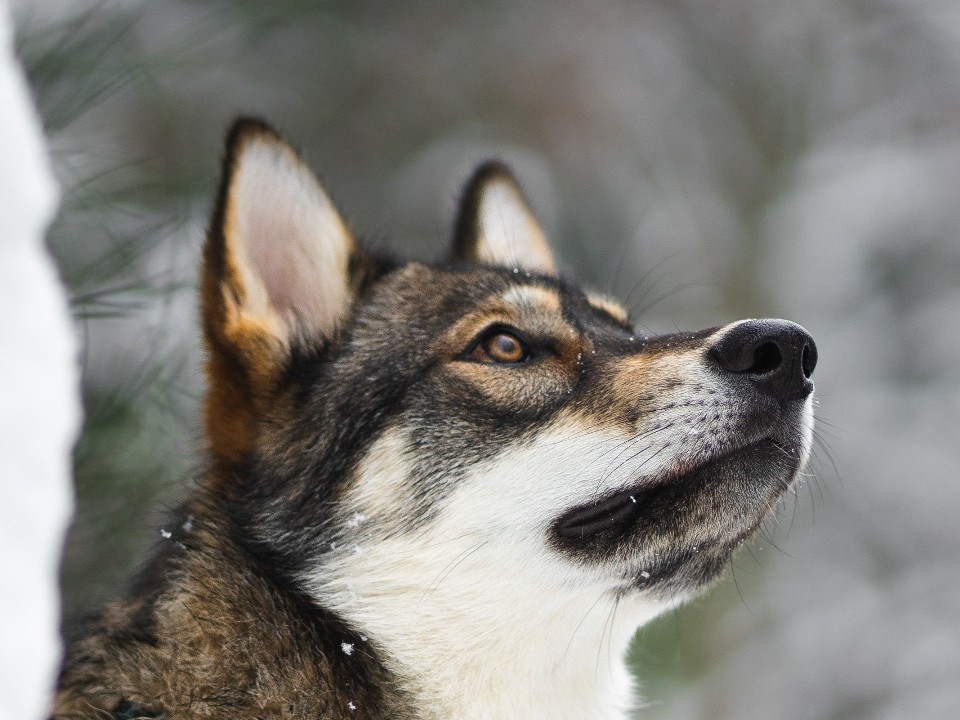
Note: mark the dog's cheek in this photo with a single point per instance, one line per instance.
(526, 390)
(379, 497)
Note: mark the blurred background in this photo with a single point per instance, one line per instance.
(702, 161)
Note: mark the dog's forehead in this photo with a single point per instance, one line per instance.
(533, 299)
(541, 303)
(534, 308)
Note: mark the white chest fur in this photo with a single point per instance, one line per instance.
(479, 616)
(476, 645)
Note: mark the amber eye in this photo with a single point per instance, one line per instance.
(500, 347)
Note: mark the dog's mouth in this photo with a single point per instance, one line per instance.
(667, 500)
(677, 532)
(587, 520)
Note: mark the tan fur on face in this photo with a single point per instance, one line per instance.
(532, 298)
(610, 306)
(638, 387)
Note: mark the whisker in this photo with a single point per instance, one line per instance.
(449, 568)
(582, 620)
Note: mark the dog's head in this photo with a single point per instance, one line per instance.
(382, 427)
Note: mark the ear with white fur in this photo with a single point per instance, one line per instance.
(275, 267)
(495, 225)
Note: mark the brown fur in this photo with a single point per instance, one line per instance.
(223, 642)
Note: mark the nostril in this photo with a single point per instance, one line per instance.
(808, 360)
(776, 356)
(766, 358)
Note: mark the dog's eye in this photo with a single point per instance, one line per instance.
(500, 346)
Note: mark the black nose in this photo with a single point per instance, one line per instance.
(776, 355)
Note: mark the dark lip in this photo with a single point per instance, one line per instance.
(618, 509)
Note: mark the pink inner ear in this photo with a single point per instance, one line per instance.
(295, 246)
(277, 252)
(508, 232)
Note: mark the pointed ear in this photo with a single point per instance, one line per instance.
(495, 225)
(275, 268)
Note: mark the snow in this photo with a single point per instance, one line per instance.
(355, 521)
(347, 648)
(40, 411)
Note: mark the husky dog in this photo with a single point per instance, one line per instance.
(434, 492)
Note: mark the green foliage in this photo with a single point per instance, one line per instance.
(134, 450)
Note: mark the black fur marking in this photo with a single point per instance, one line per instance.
(127, 710)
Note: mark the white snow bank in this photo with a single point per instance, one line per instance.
(39, 404)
